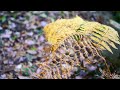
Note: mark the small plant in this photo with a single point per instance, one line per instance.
(77, 43)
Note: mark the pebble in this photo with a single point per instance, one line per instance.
(7, 31)
(33, 26)
(12, 18)
(91, 68)
(13, 25)
(1, 28)
(3, 76)
(9, 49)
(22, 77)
(30, 34)
(43, 23)
(5, 35)
(17, 33)
(31, 51)
(75, 69)
(6, 44)
(30, 64)
(18, 67)
(38, 71)
(41, 38)
(11, 62)
(65, 65)
(29, 42)
(78, 77)
(40, 48)
(5, 62)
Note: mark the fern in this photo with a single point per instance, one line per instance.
(76, 43)
(102, 36)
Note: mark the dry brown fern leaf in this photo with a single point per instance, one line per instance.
(76, 43)
(70, 56)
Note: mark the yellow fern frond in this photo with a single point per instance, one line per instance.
(59, 30)
(101, 35)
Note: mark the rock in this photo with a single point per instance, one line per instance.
(6, 44)
(30, 64)
(22, 77)
(40, 48)
(1, 28)
(17, 33)
(115, 24)
(43, 15)
(3, 76)
(5, 62)
(9, 49)
(21, 18)
(30, 33)
(13, 25)
(62, 51)
(30, 57)
(66, 66)
(38, 71)
(43, 23)
(18, 67)
(14, 53)
(5, 35)
(82, 73)
(75, 69)
(71, 51)
(21, 59)
(36, 37)
(11, 62)
(31, 51)
(12, 18)
(78, 77)
(40, 54)
(41, 39)
(7, 31)
(33, 27)
(91, 68)
(29, 42)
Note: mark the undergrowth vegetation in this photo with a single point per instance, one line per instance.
(76, 44)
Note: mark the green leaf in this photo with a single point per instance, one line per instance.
(33, 68)
(25, 71)
(34, 48)
(40, 32)
(14, 37)
(2, 31)
(43, 15)
(30, 57)
(3, 18)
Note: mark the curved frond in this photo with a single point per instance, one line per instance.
(101, 35)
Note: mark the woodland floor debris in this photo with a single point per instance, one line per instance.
(22, 39)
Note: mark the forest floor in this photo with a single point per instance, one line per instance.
(22, 39)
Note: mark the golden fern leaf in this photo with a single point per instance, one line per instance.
(101, 35)
(59, 30)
